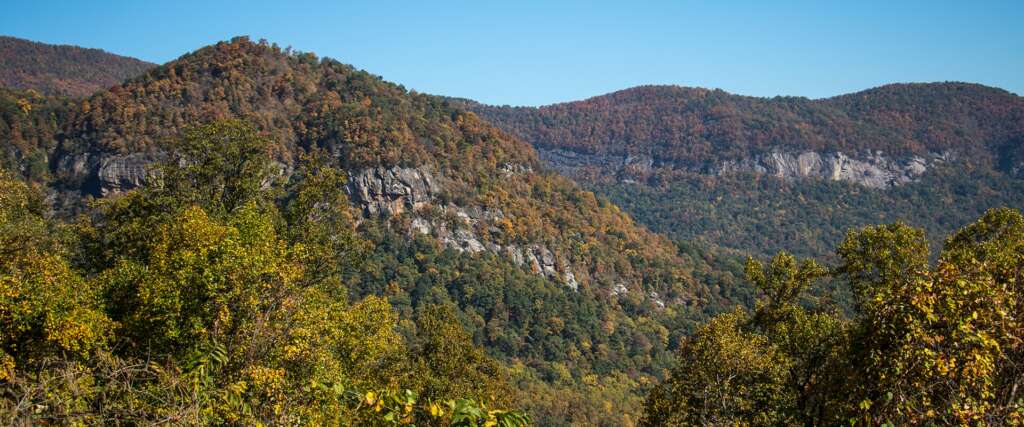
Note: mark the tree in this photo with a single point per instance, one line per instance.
(221, 305)
(782, 282)
(448, 364)
(813, 341)
(927, 345)
(47, 309)
(725, 375)
(979, 297)
(221, 166)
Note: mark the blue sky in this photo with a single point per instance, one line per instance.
(540, 52)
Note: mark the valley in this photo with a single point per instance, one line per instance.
(255, 235)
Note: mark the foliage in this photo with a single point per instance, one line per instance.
(194, 304)
(29, 125)
(725, 376)
(685, 132)
(763, 215)
(320, 120)
(45, 309)
(406, 407)
(695, 126)
(238, 287)
(929, 344)
(62, 70)
(574, 358)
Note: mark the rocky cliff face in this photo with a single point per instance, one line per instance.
(105, 174)
(381, 192)
(121, 173)
(389, 192)
(874, 170)
(570, 163)
(458, 232)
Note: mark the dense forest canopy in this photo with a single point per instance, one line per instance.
(758, 214)
(62, 70)
(687, 126)
(929, 343)
(254, 235)
(596, 345)
(663, 154)
(209, 298)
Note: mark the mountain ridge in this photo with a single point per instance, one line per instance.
(65, 70)
(700, 89)
(554, 281)
(686, 161)
(558, 282)
(109, 136)
(856, 112)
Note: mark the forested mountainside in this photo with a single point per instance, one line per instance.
(251, 235)
(581, 306)
(204, 299)
(759, 174)
(61, 69)
(929, 342)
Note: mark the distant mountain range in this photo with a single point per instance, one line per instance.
(763, 174)
(61, 69)
(475, 210)
(551, 279)
(693, 129)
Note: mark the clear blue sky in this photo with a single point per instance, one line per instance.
(539, 52)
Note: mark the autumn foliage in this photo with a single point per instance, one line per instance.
(219, 303)
(929, 344)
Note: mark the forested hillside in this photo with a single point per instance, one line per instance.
(62, 70)
(930, 343)
(581, 307)
(688, 127)
(759, 175)
(757, 214)
(253, 235)
(206, 299)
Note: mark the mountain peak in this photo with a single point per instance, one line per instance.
(410, 156)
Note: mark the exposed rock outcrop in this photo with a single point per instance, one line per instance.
(105, 174)
(510, 169)
(569, 162)
(619, 289)
(76, 165)
(117, 174)
(570, 280)
(656, 299)
(455, 228)
(873, 170)
(385, 191)
(541, 260)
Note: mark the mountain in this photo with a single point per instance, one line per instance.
(582, 305)
(170, 269)
(61, 69)
(759, 175)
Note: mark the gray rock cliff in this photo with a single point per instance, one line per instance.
(388, 192)
(875, 170)
(106, 174)
(118, 174)
(391, 191)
